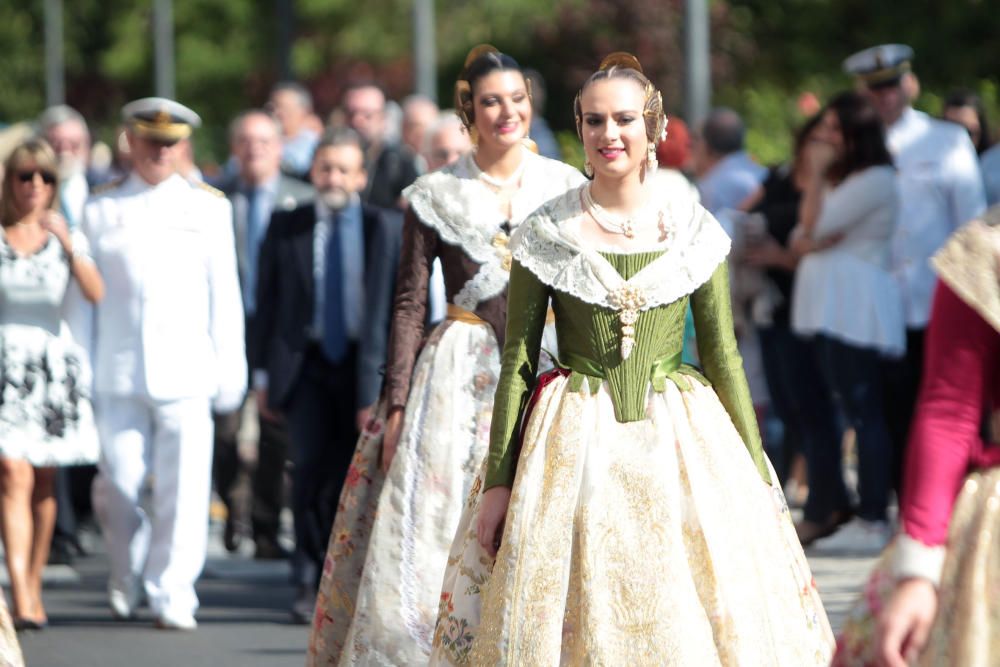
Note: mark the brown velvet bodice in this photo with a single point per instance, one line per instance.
(421, 245)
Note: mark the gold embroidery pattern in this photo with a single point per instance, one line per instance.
(965, 628)
(647, 543)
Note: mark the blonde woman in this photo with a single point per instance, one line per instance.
(45, 413)
(627, 501)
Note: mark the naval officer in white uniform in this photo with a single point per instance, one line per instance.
(168, 348)
(940, 189)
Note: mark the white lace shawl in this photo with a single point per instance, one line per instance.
(456, 204)
(548, 246)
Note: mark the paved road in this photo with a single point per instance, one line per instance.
(243, 619)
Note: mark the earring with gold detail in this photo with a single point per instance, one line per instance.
(651, 161)
(588, 169)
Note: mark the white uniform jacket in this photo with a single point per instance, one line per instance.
(940, 189)
(171, 322)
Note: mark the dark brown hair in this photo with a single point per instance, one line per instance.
(863, 133)
(622, 65)
(481, 61)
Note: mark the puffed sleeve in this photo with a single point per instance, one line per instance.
(961, 355)
(527, 306)
(226, 316)
(409, 307)
(722, 363)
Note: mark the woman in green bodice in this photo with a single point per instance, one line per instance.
(626, 499)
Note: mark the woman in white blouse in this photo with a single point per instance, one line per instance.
(847, 301)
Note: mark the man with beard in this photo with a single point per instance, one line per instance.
(66, 131)
(325, 286)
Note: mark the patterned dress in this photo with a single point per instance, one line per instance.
(45, 412)
(378, 598)
(643, 527)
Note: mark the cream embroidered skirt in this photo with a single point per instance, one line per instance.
(378, 597)
(645, 543)
(966, 630)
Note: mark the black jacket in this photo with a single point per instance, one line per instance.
(286, 298)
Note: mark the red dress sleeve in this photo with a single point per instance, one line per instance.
(960, 364)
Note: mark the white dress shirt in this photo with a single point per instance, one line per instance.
(733, 178)
(940, 189)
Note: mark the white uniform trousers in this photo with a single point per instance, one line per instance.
(155, 535)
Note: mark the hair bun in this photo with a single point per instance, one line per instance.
(621, 59)
(478, 51)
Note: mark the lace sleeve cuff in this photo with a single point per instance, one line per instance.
(913, 558)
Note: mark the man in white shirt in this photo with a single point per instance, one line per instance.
(167, 348)
(292, 105)
(66, 131)
(726, 174)
(940, 189)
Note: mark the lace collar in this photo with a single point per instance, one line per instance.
(969, 263)
(547, 245)
(456, 204)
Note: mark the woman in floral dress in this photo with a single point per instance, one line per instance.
(626, 499)
(378, 597)
(45, 413)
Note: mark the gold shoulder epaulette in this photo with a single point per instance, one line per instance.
(108, 187)
(209, 189)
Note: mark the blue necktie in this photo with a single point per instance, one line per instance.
(334, 330)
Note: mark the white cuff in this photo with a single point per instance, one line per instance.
(913, 558)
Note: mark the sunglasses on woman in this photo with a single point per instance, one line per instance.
(27, 176)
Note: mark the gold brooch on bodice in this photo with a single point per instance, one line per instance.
(501, 243)
(628, 300)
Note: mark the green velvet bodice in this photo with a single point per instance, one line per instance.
(590, 346)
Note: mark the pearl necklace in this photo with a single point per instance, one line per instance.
(616, 224)
(501, 184)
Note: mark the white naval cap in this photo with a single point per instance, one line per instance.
(160, 118)
(880, 65)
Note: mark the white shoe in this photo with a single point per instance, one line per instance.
(858, 537)
(123, 602)
(176, 621)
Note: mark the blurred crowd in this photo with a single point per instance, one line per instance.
(831, 287)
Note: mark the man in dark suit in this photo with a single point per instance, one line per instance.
(258, 190)
(324, 300)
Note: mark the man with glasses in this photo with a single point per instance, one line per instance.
(390, 168)
(168, 348)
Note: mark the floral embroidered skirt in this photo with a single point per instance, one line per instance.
(644, 543)
(378, 597)
(966, 630)
(46, 416)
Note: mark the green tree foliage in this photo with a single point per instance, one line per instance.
(764, 52)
